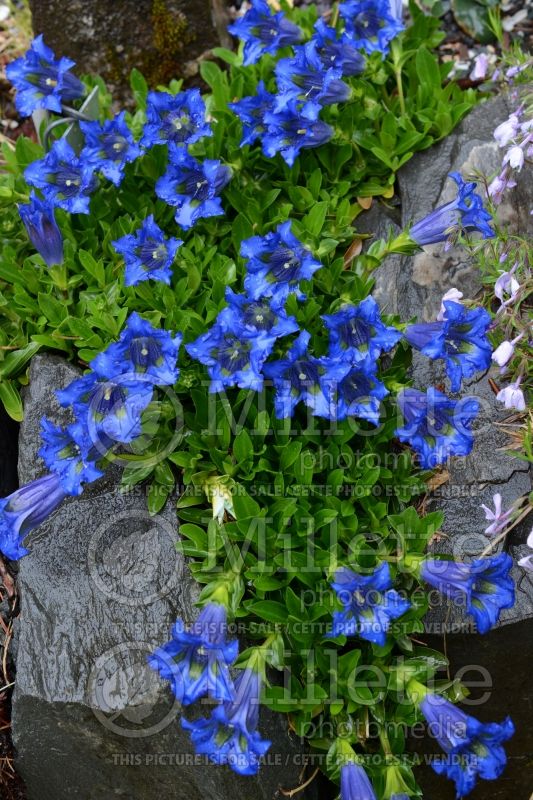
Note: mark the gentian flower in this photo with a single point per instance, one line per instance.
(41, 80)
(498, 519)
(179, 119)
(304, 79)
(232, 360)
(357, 332)
(25, 509)
(148, 254)
(370, 24)
(192, 186)
(65, 180)
(355, 784)
(485, 585)
(302, 377)
(360, 393)
(196, 660)
(276, 263)
(512, 396)
(141, 350)
(471, 748)
(109, 147)
(39, 220)
(369, 604)
(250, 111)
(465, 212)
(69, 453)
(336, 51)
(288, 131)
(435, 426)
(248, 318)
(230, 735)
(263, 32)
(460, 339)
(110, 408)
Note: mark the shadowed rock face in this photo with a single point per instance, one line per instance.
(159, 37)
(100, 589)
(8, 453)
(414, 287)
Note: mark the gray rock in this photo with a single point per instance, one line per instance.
(413, 287)
(161, 38)
(100, 589)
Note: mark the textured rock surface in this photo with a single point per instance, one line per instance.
(414, 287)
(100, 589)
(161, 38)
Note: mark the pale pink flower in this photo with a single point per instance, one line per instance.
(514, 157)
(481, 65)
(512, 396)
(507, 130)
(498, 519)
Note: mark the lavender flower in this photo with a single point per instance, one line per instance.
(512, 396)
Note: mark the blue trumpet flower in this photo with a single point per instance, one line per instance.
(358, 331)
(148, 254)
(276, 263)
(178, 119)
(370, 24)
(232, 359)
(251, 111)
(230, 736)
(302, 377)
(64, 179)
(39, 220)
(264, 32)
(41, 80)
(141, 350)
(192, 187)
(108, 147)
(466, 212)
(25, 509)
(370, 604)
(110, 408)
(360, 393)
(196, 661)
(288, 131)
(355, 784)
(485, 586)
(69, 452)
(303, 79)
(471, 748)
(460, 338)
(249, 318)
(435, 426)
(339, 52)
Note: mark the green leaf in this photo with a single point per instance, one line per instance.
(139, 88)
(16, 360)
(268, 609)
(10, 397)
(314, 220)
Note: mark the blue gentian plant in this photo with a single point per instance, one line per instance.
(196, 259)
